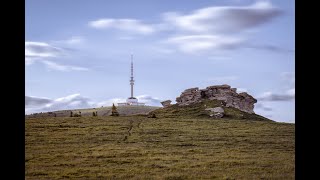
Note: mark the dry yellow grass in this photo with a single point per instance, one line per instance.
(167, 148)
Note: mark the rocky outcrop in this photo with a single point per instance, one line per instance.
(189, 96)
(166, 103)
(230, 98)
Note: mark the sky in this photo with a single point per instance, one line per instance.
(77, 52)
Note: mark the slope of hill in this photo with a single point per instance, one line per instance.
(137, 147)
(197, 110)
(102, 111)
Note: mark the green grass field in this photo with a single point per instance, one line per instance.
(136, 147)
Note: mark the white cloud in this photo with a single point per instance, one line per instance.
(196, 43)
(209, 28)
(74, 101)
(213, 19)
(204, 29)
(287, 95)
(223, 19)
(32, 101)
(291, 92)
(40, 50)
(130, 25)
(149, 100)
(270, 96)
(109, 102)
(60, 67)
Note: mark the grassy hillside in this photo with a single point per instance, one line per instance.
(102, 111)
(197, 110)
(136, 147)
(123, 110)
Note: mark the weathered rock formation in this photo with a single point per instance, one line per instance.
(230, 98)
(166, 103)
(216, 112)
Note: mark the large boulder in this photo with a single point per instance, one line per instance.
(166, 103)
(216, 112)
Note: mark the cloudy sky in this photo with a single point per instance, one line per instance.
(77, 52)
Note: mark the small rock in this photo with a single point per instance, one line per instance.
(218, 115)
(152, 115)
(166, 103)
(218, 110)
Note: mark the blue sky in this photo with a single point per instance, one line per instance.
(78, 52)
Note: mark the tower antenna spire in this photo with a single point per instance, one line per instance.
(131, 79)
(131, 65)
(131, 101)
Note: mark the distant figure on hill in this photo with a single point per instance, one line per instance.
(114, 111)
